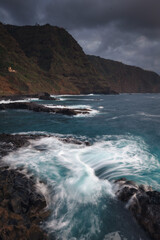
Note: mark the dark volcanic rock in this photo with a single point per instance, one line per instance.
(143, 202)
(9, 143)
(22, 208)
(74, 141)
(41, 108)
(18, 97)
(43, 96)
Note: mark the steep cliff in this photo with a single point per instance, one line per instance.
(126, 79)
(46, 58)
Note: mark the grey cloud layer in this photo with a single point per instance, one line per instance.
(124, 30)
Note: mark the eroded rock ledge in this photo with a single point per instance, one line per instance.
(143, 202)
(41, 108)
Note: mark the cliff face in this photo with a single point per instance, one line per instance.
(46, 58)
(124, 78)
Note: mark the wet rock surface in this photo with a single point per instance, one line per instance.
(22, 208)
(41, 108)
(74, 141)
(46, 96)
(9, 143)
(143, 202)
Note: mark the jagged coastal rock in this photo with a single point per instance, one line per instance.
(74, 141)
(45, 96)
(22, 208)
(143, 202)
(9, 142)
(41, 108)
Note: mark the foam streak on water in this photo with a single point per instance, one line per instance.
(91, 113)
(68, 106)
(13, 101)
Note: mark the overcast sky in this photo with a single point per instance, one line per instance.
(123, 30)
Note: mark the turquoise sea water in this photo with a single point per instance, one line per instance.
(124, 131)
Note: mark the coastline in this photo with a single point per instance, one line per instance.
(23, 209)
(144, 204)
(36, 107)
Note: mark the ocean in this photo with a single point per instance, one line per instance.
(78, 180)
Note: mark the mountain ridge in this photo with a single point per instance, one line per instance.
(125, 78)
(47, 58)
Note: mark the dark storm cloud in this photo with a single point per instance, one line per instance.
(124, 30)
(20, 12)
(127, 14)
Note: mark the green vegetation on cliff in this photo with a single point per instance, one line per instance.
(123, 78)
(47, 58)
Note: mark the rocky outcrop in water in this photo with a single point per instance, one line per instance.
(143, 202)
(41, 96)
(9, 143)
(46, 96)
(74, 141)
(41, 108)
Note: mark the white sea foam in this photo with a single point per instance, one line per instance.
(92, 112)
(148, 115)
(70, 171)
(77, 98)
(122, 157)
(81, 99)
(113, 236)
(69, 95)
(13, 101)
(73, 181)
(120, 116)
(68, 106)
(101, 107)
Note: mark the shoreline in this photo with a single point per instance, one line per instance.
(31, 106)
(26, 207)
(144, 204)
(23, 209)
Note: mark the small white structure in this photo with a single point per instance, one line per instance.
(11, 70)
